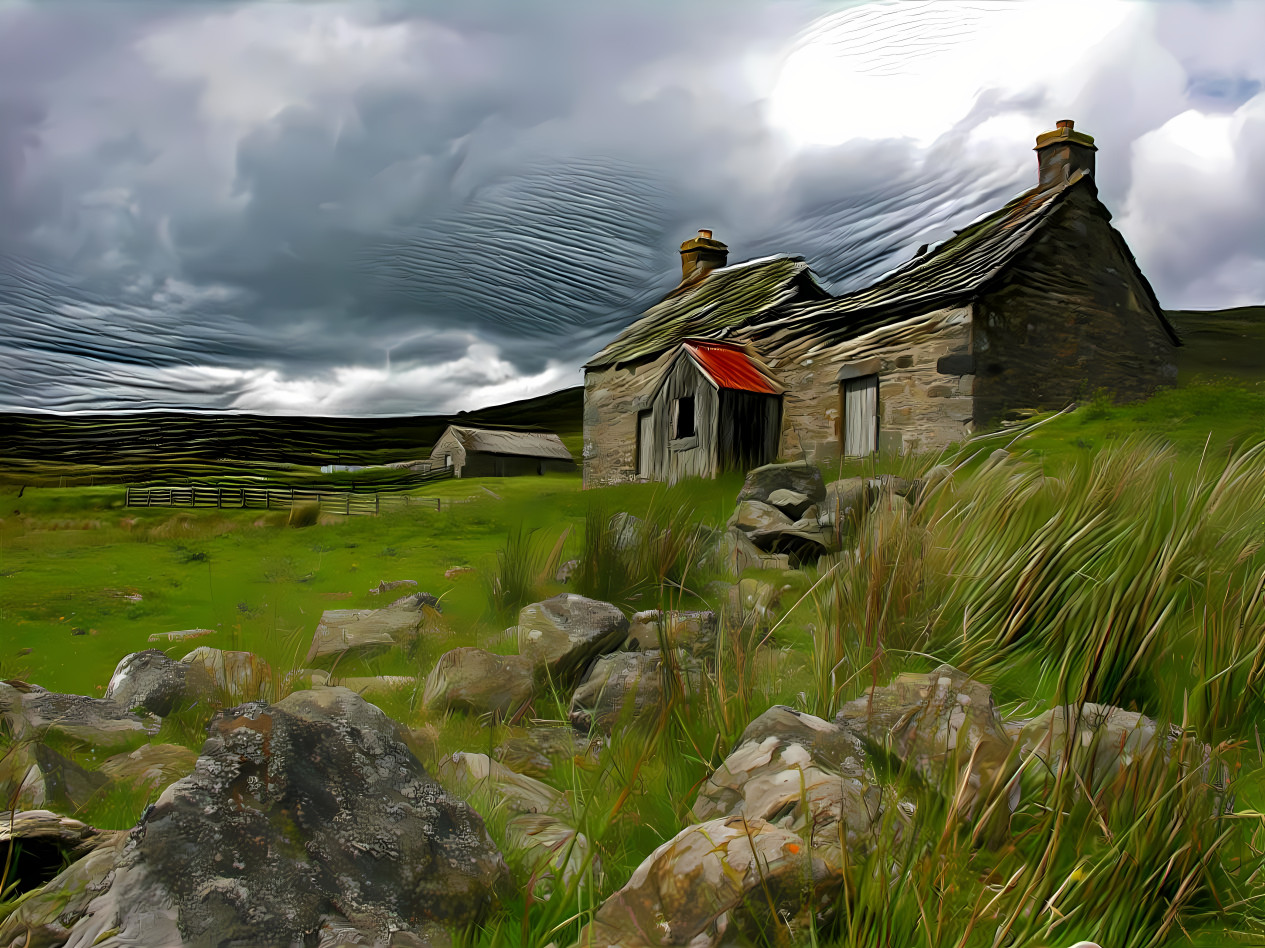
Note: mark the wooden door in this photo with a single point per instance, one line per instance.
(645, 445)
(860, 416)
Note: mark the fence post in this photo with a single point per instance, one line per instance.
(347, 500)
(436, 505)
(377, 503)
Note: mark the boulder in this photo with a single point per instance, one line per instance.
(538, 837)
(306, 820)
(150, 681)
(791, 502)
(758, 520)
(735, 551)
(724, 882)
(94, 722)
(795, 476)
(563, 634)
(534, 751)
(627, 685)
(362, 633)
(1103, 743)
(751, 601)
(33, 776)
(801, 773)
(847, 501)
(479, 682)
(235, 676)
(944, 726)
(151, 767)
(693, 631)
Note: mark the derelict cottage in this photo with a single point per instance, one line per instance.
(1035, 305)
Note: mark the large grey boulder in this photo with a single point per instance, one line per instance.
(736, 553)
(625, 686)
(151, 681)
(94, 722)
(302, 819)
(724, 882)
(479, 682)
(772, 531)
(944, 726)
(759, 520)
(794, 476)
(801, 773)
(563, 634)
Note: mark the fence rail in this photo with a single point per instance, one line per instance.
(274, 498)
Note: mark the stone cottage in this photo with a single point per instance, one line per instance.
(1035, 305)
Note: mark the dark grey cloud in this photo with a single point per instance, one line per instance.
(399, 207)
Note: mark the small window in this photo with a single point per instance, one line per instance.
(447, 460)
(685, 417)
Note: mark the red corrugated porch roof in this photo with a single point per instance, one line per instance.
(730, 367)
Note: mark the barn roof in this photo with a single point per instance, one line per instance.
(730, 367)
(534, 444)
(728, 298)
(957, 271)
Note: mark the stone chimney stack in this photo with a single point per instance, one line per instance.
(1063, 152)
(701, 255)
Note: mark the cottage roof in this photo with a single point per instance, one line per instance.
(957, 271)
(728, 298)
(535, 444)
(730, 367)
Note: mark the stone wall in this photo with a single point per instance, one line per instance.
(925, 387)
(1070, 318)
(612, 398)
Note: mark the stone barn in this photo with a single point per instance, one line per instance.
(1033, 306)
(488, 452)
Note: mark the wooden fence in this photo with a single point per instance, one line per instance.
(275, 498)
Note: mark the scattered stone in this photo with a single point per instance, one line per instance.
(737, 553)
(847, 501)
(479, 682)
(33, 776)
(453, 572)
(183, 635)
(516, 792)
(790, 502)
(362, 633)
(626, 685)
(94, 722)
(534, 751)
(563, 634)
(387, 586)
(758, 520)
(945, 727)
(723, 882)
(752, 601)
(566, 571)
(653, 629)
(795, 476)
(151, 767)
(379, 686)
(801, 773)
(301, 819)
(236, 676)
(150, 681)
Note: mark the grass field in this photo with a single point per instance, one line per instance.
(1117, 556)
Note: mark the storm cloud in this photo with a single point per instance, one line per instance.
(398, 208)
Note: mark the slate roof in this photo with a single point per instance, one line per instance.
(533, 444)
(758, 306)
(729, 298)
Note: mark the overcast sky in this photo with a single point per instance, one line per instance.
(404, 208)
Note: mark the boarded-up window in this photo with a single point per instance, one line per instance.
(645, 442)
(860, 416)
(685, 418)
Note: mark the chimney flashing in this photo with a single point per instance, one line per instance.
(1062, 153)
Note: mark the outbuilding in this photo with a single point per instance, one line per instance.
(489, 452)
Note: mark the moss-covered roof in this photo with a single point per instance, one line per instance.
(727, 299)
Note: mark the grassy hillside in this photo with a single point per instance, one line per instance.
(1221, 342)
(158, 445)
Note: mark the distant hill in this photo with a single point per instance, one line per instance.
(173, 438)
(1221, 342)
